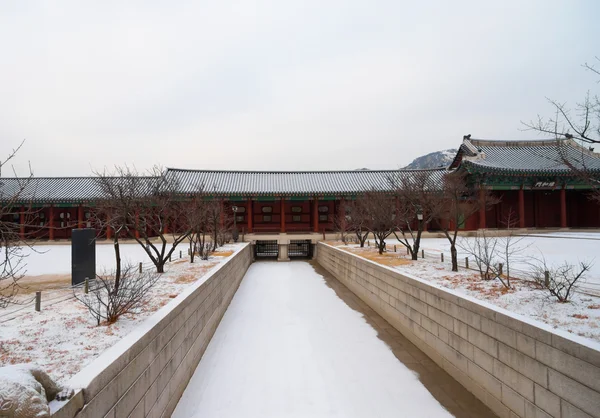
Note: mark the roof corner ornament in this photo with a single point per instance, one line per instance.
(467, 137)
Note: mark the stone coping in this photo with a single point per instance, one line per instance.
(144, 342)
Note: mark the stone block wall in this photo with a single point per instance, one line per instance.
(516, 366)
(145, 374)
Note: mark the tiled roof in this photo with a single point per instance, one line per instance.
(224, 183)
(51, 189)
(526, 156)
(288, 183)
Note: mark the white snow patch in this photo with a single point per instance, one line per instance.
(580, 317)
(62, 338)
(287, 346)
(56, 259)
(556, 248)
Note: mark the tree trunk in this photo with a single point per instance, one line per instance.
(415, 254)
(160, 266)
(118, 260)
(454, 255)
(360, 239)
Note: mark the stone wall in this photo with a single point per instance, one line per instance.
(146, 372)
(516, 366)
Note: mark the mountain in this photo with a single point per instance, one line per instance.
(433, 160)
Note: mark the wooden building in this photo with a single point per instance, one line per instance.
(534, 181)
(530, 178)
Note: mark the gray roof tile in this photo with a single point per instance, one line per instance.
(527, 156)
(287, 183)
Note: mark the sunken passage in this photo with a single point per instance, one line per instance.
(289, 346)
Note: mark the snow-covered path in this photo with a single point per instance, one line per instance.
(288, 346)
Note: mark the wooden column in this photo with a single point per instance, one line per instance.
(282, 213)
(222, 220)
(249, 215)
(22, 223)
(563, 208)
(166, 227)
(51, 224)
(316, 214)
(482, 222)
(342, 214)
(80, 217)
(521, 208)
(137, 224)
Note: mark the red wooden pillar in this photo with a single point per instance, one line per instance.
(80, 217)
(166, 227)
(282, 214)
(51, 224)
(521, 208)
(482, 208)
(22, 223)
(222, 218)
(342, 214)
(316, 214)
(137, 224)
(563, 208)
(250, 215)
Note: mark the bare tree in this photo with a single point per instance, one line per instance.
(494, 256)
(109, 299)
(483, 249)
(358, 218)
(141, 207)
(196, 216)
(580, 123)
(13, 221)
(460, 202)
(419, 200)
(561, 281)
(379, 207)
(342, 221)
(219, 222)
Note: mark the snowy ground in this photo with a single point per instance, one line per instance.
(62, 338)
(56, 259)
(581, 316)
(556, 248)
(289, 347)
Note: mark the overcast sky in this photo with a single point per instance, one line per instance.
(279, 85)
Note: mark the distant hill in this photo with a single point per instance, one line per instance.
(433, 160)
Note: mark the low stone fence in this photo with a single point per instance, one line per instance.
(145, 373)
(516, 366)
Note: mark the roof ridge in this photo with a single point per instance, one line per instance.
(305, 172)
(514, 143)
